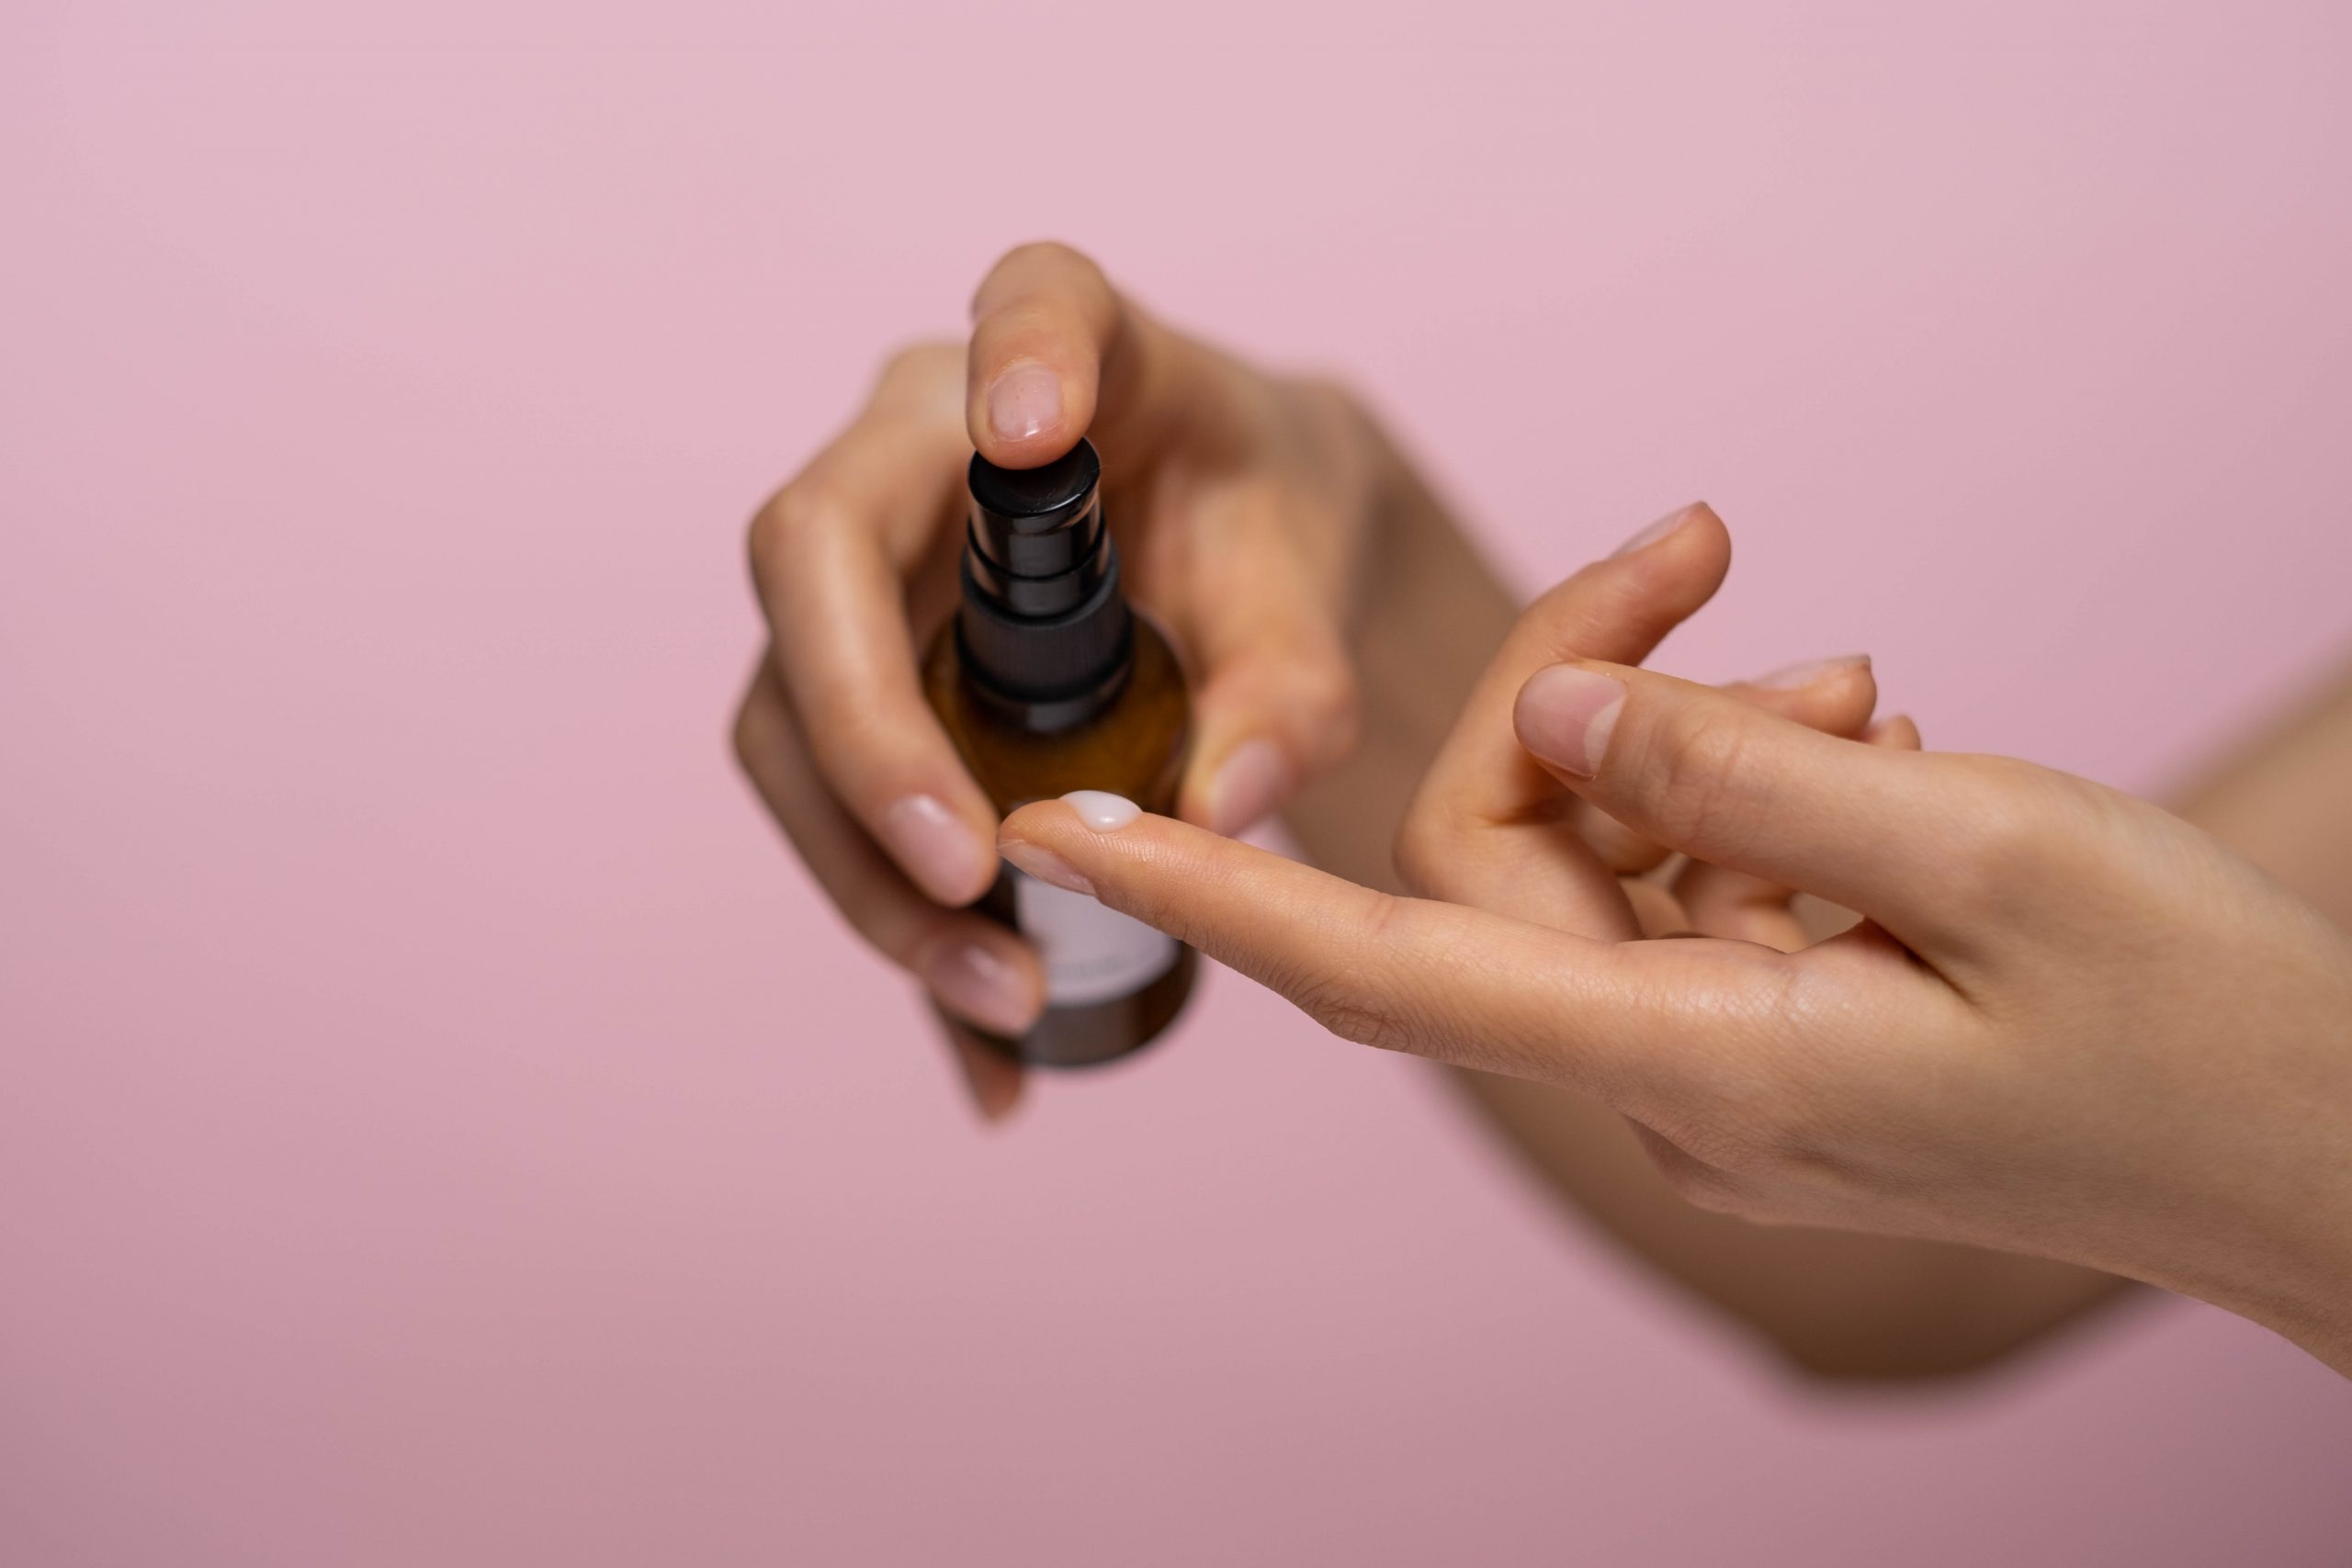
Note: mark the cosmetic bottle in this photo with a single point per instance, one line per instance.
(1047, 682)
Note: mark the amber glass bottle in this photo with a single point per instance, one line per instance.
(1048, 683)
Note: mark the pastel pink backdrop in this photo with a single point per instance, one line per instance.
(439, 1124)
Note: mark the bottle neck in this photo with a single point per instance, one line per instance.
(1046, 673)
(1042, 628)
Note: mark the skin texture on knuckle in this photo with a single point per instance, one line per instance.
(1344, 1010)
(1340, 994)
(1686, 773)
(1770, 1087)
(2022, 834)
(1690, 1178)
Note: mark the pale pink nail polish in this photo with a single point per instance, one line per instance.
(933, 845)
(1023, 400)
(1812, 669)
(1657, 530)
(977, 984)
(1565, 715)
(1251, 783)
(1045, 865)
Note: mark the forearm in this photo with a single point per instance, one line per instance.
(1835, 1303)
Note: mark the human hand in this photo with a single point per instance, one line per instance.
(1241, 502)
(2070, 1025)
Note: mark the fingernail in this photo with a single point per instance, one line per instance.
(1102, 810)
(981, 987)
(1247, 785)
(1812, 669)
(1045, 865)
(1024, 401)
(935, 847)
(1566, 714)
(1657, 530)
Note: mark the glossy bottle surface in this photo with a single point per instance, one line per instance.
(1129, 739)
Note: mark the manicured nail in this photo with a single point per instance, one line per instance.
(1657, 530)
(1023, 400)
(935, 847)
(1045, 865)
(1812, 669)
(1102, 810)
(1566, 714)
(1247, 787)
(977, 984)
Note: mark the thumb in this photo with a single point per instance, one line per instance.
(1439, 980)
(1731, 785)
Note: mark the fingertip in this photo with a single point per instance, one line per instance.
(1834, 695)
(1280, 705)
(1815, 672)
(1021, 414)
(992, 1080)
(1244, 788)
(1622, 606)
(1899, 732)
(984, 976)
(1565, 715)
(944, 855)
(1696, 515)
(1040, 325)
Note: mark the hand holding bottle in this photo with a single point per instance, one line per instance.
(2071, 1025)
(1244, 499)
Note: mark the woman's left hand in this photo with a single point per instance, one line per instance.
(2071, 1025)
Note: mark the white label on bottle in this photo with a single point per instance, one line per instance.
(1091, 953)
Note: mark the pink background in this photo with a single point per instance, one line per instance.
(439, 1124)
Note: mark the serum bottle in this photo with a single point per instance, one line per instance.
(1047, 683)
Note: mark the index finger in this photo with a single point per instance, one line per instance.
(831, 555)
(1057, 353)
(1633, 1023)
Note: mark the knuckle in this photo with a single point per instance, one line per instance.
(1700, 750)
(1339, 999)
(2020, 827)
(1331, 697)
(790, 517)
(1695, 1180)
(1350, 1016)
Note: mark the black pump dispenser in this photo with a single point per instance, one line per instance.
(1042, 618)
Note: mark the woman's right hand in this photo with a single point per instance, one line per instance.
(2071, 1024)
(1243, 504)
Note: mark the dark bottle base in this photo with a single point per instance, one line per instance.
(1101, 1032)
